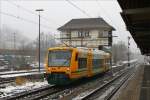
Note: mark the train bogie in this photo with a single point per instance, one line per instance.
(59, 78)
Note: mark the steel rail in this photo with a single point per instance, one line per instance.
(27, 93)
(7, 81)
(109, 97)
(86, 97)
(45, 91)
(101, 80)
(44, 94)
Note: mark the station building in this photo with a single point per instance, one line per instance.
(87, 32)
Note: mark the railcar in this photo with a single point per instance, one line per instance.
(67, 64)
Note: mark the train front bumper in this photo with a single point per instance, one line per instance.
(58, 78)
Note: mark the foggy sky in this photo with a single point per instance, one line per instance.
(58, 12)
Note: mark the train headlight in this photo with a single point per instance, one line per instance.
(68, 69)
(48, 72)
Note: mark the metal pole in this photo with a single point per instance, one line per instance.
(0, 26)
(39, 36)
(128, 51)
(82, 39)
(14, 41)
(14, 61)
(39, 42)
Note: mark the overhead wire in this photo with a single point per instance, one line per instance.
(81, 10)
(21, 7)
(84, 12)
(30, 21)
(106, 14)
(74, 5)
(24, 19)
(29, 11)
(104, 11)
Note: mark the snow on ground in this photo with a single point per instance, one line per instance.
(11, 90)
(114, 66)
(82, 95)
(21, 71)
(20, 74)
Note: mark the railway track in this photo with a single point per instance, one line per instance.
(68, 94)
(54, 92)
(108, 89)
(3, 82)
(83, 91)
(40, 93)
(6, 81)
(33, 94)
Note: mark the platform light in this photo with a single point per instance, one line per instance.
(39, 10)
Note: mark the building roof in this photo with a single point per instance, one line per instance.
(86, 23)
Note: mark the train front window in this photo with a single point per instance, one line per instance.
(59, 58)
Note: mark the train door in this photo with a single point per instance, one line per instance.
(104, 64)
(89, 63)
(82, 63)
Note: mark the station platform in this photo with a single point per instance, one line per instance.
(137, 87)
(145, 87)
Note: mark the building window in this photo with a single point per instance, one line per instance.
(105, 33)
(68, 35)
(100, 34)
(79, 34)
(86, 34)
(83, 34)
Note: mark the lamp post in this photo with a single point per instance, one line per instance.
(128, 51)
(39, 10)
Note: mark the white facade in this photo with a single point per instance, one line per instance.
(90, 38)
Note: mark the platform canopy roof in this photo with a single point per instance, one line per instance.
(136, 15)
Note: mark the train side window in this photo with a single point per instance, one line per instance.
(82, 62)
(97, 63)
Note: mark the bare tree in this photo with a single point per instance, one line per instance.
(46, 42)
(119, 52)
